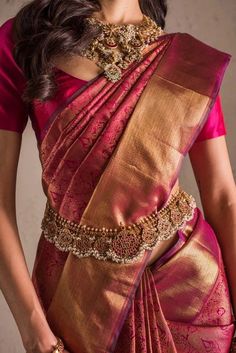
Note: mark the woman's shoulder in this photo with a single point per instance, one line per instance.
(191, 50)
(6, 28)
(193, 63)
(185, 39)
(7, 60)
(7, 42)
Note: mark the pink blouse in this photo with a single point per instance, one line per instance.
(14, 112)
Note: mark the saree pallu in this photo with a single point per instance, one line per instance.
(110, 158)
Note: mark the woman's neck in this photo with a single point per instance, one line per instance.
(120, 11)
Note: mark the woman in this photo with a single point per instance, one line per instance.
(125, 262)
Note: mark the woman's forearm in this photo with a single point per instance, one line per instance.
(17, 287)
(222, 218)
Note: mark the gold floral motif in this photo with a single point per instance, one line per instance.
(164, 226)
(149, 235)
(183, 206)
(83, 244)
(176, 215)
(52, 228)
(126, 243)
(101, 245)
(65, 237)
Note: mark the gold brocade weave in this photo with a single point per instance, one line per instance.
(112, 154)
(125, 244)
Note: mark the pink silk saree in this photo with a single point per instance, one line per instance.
(111, 155)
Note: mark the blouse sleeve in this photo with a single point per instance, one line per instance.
(215, 123)
(13, 110)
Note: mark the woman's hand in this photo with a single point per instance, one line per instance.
(215, 180)
(15, 280)
(37, 336)
(233, 346)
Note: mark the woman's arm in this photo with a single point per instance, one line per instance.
(213, 173)
(15, 281)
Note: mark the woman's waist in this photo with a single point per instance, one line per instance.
(127, 243)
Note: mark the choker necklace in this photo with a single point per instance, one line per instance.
(119, 45)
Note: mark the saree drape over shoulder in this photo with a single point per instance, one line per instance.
(110, 158)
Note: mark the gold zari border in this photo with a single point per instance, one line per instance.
(125, 244)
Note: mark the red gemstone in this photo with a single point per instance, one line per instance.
(110, 44)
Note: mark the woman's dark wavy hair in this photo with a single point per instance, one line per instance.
(45, 29)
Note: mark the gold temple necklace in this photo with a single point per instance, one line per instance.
(118, 45)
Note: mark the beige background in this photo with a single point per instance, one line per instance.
(212, 21)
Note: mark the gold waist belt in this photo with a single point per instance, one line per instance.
(126, 243)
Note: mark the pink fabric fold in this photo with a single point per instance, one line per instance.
(157, 321)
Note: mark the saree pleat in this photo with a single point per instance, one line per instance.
(151, 333)
(148, 319)
(139, 319)
(159, 323)
(153, 319)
